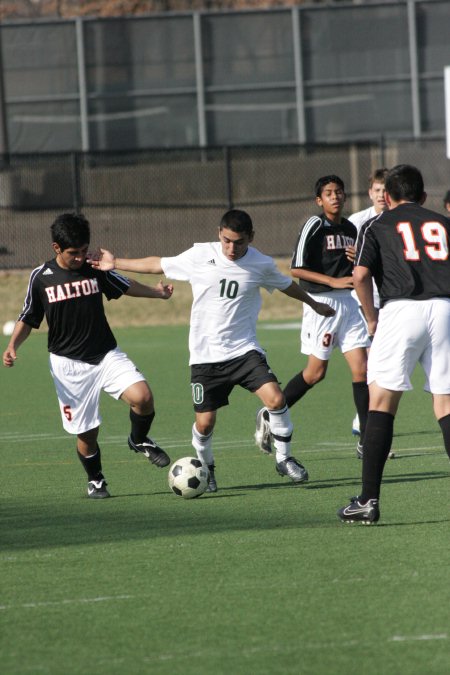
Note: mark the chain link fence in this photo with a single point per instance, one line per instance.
(159, 202)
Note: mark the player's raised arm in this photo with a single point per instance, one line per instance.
(105, 260)
(294, 291)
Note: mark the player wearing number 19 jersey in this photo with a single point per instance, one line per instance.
(406, 250)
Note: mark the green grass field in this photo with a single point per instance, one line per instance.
(258, 578)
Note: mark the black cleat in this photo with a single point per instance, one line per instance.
(359, 450)
(356, 512)
(212, 485)
(97, 488)
(153, 452)
(293, 469)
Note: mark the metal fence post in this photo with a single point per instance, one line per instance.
(76, 191)
(228, 175)
(298, 69)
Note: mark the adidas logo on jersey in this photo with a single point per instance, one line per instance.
(211, 262)
(47, 271)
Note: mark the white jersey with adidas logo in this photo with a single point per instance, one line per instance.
(226, 298)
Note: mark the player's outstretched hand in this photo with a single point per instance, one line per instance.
(9, 356)
(166, 290)
(102, 260)
(323, 309)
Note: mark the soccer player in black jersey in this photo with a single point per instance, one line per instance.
(406, 251)
(323, 264)
(84, 357)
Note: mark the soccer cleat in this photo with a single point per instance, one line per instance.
(212, 485)
(293, 469)
(355, 426)
(262, 434)
(356, 512)
(153, 452)
(97, 488)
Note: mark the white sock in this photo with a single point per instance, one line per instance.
(281, 429)
(202, 446)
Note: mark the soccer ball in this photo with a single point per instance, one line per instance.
(188, 477)
(8, 327)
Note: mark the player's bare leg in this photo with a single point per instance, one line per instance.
(142, 412)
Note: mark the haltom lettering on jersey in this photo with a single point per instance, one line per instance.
(72, 289)
(335, 241)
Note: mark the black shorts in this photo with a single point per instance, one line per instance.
(212, 383)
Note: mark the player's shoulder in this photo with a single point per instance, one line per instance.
(47, 269)
(255, 255)
(360, 217)
(313, 224)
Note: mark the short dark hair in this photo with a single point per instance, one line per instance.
(447, 197)
(70, 230)
(237, 221)
(378, 176)
(332, 178)
(404, 182)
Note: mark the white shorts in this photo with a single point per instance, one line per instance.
(411, 332)
(346, 329)
(79, 385)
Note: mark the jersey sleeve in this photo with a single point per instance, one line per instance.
(33, 309)
(179, 267)
(274, 279)
(300, 256)
(366, 247)
(113, 284)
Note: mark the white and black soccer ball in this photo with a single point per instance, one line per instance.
(188, 477)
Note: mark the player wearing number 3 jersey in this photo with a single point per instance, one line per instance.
(406, 250)
(226, 278)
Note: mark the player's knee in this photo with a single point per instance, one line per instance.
(315, 376)
(276, 401)
(204, 429)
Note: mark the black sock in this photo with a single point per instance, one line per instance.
(361, 399)
(140, 426)
(92, 465)
(377, 445)
(444, 423)
(295, 389)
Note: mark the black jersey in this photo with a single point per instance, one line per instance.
(321, 248)
(407, 252)
(72, 302)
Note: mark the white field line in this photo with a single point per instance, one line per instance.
(292, 325)
(424, 637)
(76, 601)
(19, 437)
(412, 638)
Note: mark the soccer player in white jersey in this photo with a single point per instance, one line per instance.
(84, 356)
(226, 277)
(376, 196)
(406, 251)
